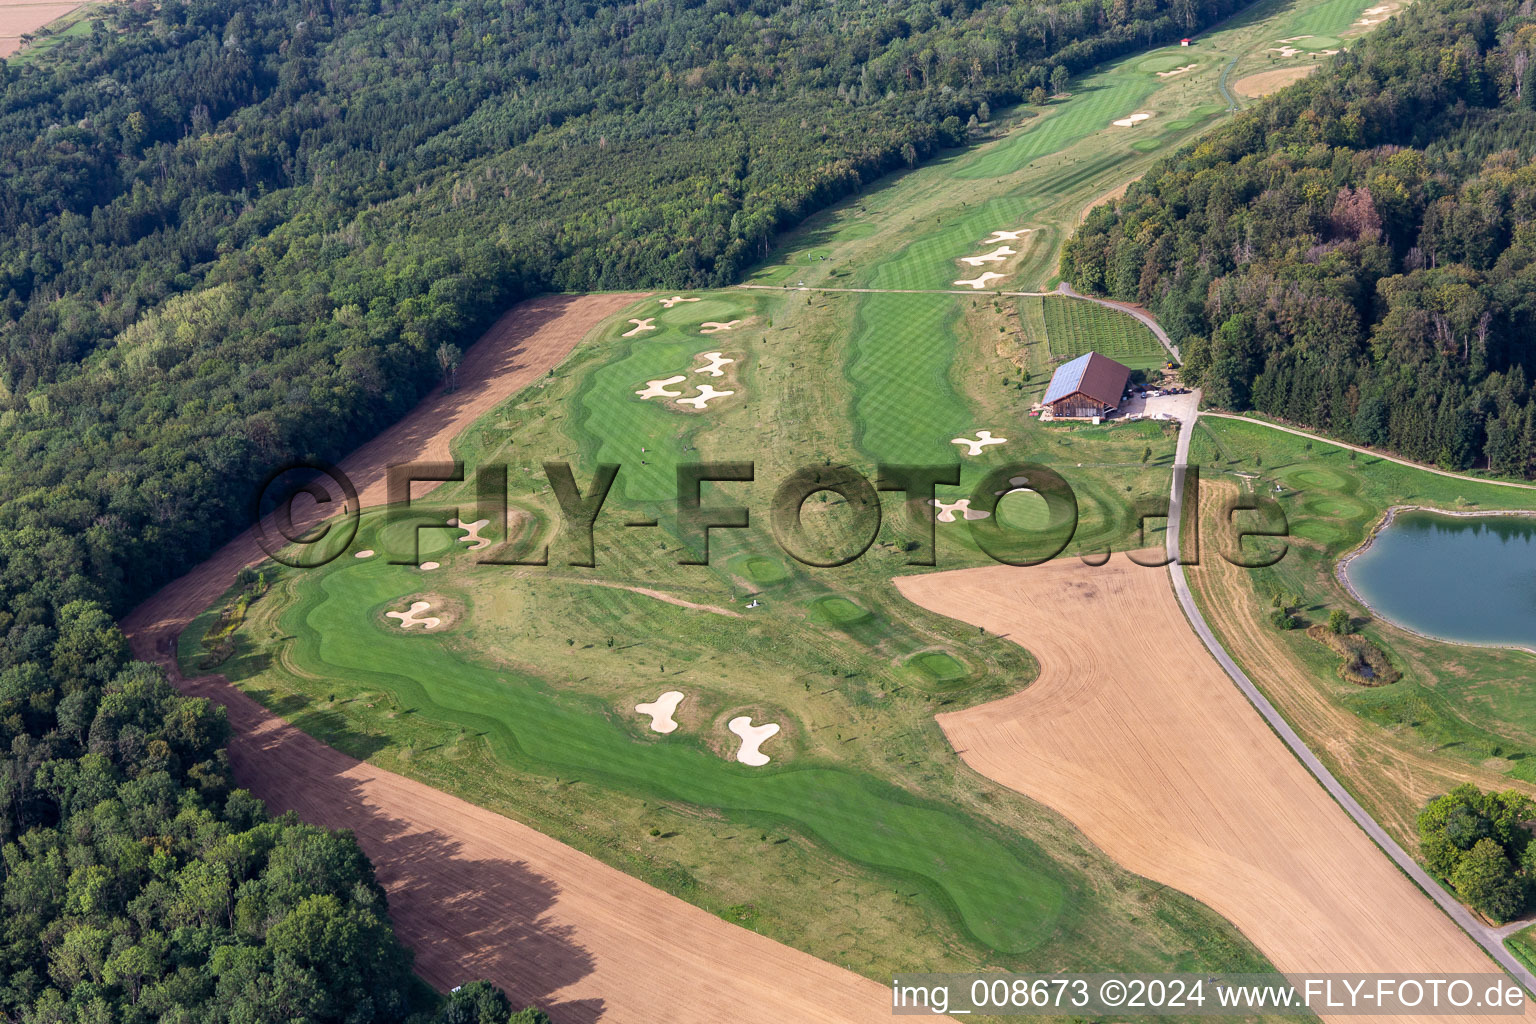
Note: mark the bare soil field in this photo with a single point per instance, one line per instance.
(17, 19)
(1266, 82)
(475, 894)
(1135, 734)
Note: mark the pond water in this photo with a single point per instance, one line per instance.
(1466, 578)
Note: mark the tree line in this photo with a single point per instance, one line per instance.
(1358, 252)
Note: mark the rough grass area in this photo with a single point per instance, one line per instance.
(1458, 713)
(1361, 661)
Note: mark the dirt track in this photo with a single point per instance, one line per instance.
(475, 894)
(1136, 735)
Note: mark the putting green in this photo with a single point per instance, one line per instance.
(1166, 61)
(1336, 508)
(687, 316)
(1313, 478)
(939, 666)
(1146, 145)
(395, 539)
(999, 889)
(764, 571)
(838, 611)
(1024, 510)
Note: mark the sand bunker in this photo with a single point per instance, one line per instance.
(752, 737)
(947, 510)
(983, 438)
(706, 392)
(1132, 121)
(428, 566)
(997, 255)
(1370, 21)
(1284, 51)
(715, 326)
(646, 324)
(365, 553)
(413, 617)
(674, 300)
(716, 362)
(981, 282)
(661, 710)
(472, 534)
(658, 388)
(1177, 71)
(999, 235)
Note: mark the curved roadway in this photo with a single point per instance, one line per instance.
(1484, 935)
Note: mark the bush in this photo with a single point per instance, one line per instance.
(1478, 842)
(1340, 623)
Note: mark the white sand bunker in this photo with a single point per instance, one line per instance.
(997, 255)
(414, 616)
(1284, 51)
(472, 534)
(717, 361)
(674, 300)
(1132, 121)
(1017, 483)
(947, 510)
(658, 388)
(999, 235)
(981, 282)
(983, 438)
(646, 324)
(661, 710)
(752, 737)
(365, 553)
(428, 566)
(715, 326)
(1177, 71)
(706, 393)
(1370, 21)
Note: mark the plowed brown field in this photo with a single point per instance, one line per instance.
(475, 894)
(1135, 734)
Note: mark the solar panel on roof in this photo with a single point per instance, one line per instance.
(1068, 378)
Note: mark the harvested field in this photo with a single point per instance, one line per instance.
(1135, 734)
(1266, 82)
(472, 893)
(18, 19)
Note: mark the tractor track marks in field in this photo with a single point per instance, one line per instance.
(1135, 734)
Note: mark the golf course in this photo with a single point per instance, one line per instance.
(754, 733)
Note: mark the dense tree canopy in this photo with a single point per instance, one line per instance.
(233, 232)
(1358, 252)
(1480, 843)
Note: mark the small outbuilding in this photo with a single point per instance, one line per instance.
(1088, 387)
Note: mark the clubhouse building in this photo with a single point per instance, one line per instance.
(1089, 387)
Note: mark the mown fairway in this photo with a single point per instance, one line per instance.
(1457, 713)
(864, 840)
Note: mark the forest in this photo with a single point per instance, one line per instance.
(1357, 253)
(237, 232)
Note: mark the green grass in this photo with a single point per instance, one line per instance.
(1467, 704)
(900, 355)
(943, 668)
(1002, 892)
(1523, 945)
(1076, 326)
(866, 841)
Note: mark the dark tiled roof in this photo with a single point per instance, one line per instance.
(1098, 377)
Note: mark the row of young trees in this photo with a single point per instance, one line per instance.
(233, 232)
(1358, 252)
